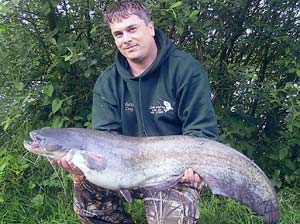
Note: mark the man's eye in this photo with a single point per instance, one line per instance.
(118, 35)
(132, 29)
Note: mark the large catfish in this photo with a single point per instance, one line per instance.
(119, 162)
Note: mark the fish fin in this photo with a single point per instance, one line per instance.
(272, 217)
(94, 161)
(164, 185)
(127, 195)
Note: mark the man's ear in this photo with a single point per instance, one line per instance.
(151, 26)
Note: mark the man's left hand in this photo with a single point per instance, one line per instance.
(191, 176)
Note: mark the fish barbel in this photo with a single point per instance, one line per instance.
(119, 162)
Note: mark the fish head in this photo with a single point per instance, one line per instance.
(53, 143)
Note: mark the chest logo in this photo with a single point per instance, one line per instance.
(168, 106)
(162, 107)
(129, 106)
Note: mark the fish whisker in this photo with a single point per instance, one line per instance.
(29, 160)
(55, 170)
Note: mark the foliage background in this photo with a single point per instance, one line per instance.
(52, 51)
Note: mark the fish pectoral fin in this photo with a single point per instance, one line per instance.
(165, 184)
(93, 161)
(127, 195)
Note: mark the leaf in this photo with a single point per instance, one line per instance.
(48, 90)
(45, 8)
(57, 122)
(108, 53)
(6, 124)
(77, 57)
(176, 4)
(4, 9)
(194, 13)
(38, 201)
(283, 153)
(56, 105)
(87, 124)
(31, 185)
(77, 118)
(52, 41)
(2, 167)
(94, 30)
(290, 164)
(68, 57)
(93, 62)
(87, 73)
(19, 86)
(51, 34)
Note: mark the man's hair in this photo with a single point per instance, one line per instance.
(124, 9)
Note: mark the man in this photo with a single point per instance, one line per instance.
(152, 89)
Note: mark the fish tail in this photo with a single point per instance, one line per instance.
(272, 217)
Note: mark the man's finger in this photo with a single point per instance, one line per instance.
(188, 175)
(197, 178)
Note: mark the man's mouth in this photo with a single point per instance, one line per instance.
(130, 47)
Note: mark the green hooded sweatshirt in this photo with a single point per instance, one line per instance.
(172, 97)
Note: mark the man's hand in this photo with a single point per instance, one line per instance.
(191, 176)
(70, 168)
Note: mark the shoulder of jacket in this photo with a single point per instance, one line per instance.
(108, 78)
(109, 73)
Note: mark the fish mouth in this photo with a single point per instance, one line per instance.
(33, 145)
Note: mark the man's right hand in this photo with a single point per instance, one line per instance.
(70, 168)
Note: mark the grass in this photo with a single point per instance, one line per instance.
(51, 205)
(31, 193)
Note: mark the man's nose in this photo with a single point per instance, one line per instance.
(126, 37)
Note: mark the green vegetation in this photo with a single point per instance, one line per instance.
(52, 51)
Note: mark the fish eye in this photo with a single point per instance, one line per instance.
(39, 138)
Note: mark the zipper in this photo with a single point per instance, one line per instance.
(140, 106)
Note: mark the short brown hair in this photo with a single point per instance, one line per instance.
(124, 9)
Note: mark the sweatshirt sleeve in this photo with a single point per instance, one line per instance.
(195, 109)
(105, 109)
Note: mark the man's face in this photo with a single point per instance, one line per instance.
(134, 38)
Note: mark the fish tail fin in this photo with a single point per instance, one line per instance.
(272, 217)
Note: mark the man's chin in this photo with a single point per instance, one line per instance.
(134, 58)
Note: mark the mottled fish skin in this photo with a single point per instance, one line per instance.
(123, 162)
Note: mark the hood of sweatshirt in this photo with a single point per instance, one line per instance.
(165, 48)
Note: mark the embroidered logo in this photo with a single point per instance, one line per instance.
(162, 107)
(129, 107)
(168, 106)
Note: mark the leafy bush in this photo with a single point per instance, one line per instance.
(52, 52)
